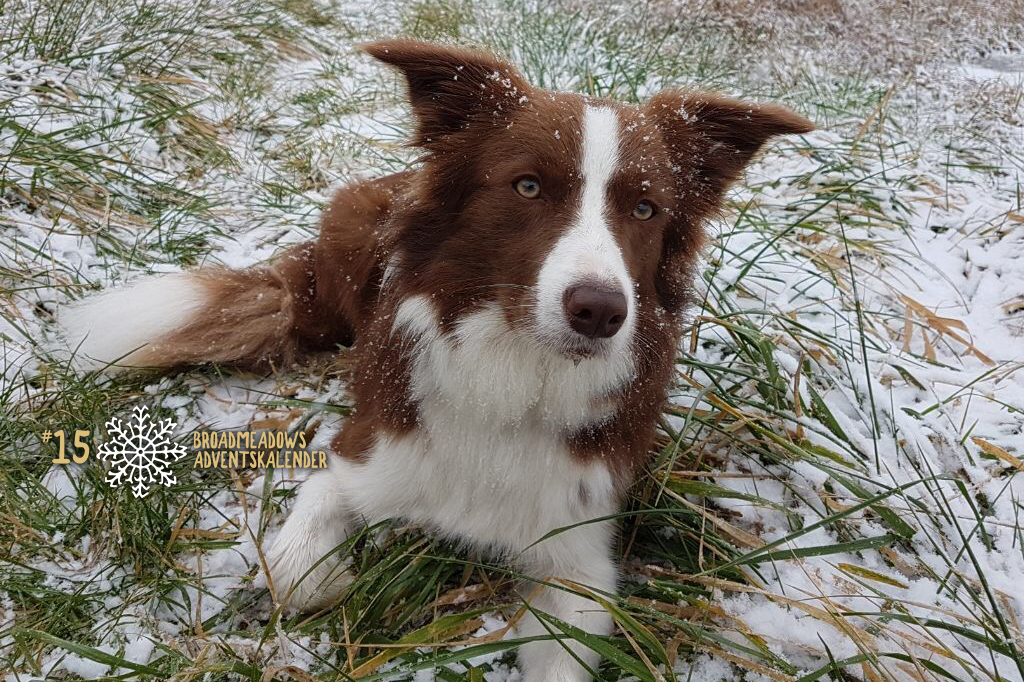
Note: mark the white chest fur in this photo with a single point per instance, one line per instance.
(499, 491)
(488, 463)
(486, 373)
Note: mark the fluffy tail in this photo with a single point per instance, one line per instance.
(253, 317)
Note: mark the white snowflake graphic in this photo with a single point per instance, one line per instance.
(140, 453)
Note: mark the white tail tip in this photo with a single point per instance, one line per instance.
(113, 329)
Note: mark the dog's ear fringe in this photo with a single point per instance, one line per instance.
(449, 86)
(717, 136)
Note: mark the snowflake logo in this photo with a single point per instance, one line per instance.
(140, 453)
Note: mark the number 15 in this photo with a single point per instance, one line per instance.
(80, 444)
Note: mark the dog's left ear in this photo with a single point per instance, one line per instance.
(713, 138)
(449, 87)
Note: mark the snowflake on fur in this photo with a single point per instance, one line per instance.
(140, 452)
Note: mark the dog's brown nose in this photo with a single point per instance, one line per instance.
(594, 311)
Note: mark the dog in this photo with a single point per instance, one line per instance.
(514, 302)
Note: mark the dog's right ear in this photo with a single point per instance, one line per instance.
(450, 87)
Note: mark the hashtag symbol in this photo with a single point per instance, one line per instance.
(46, 436)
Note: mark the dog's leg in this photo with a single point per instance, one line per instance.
(306, 572)
(551, 660)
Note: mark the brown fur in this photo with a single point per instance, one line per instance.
(459, 233)
(249, 318)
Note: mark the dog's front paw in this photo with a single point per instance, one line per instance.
(577, 675)
(305, 571)
(551, 665)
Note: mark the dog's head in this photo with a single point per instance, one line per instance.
(581, 218)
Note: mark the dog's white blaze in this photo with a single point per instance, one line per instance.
(588, 249)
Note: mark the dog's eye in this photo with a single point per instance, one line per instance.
(528, 186)
(644, 210)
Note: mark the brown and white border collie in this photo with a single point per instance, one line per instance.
(515, 302)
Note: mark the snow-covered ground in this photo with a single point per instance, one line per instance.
(850, 406)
